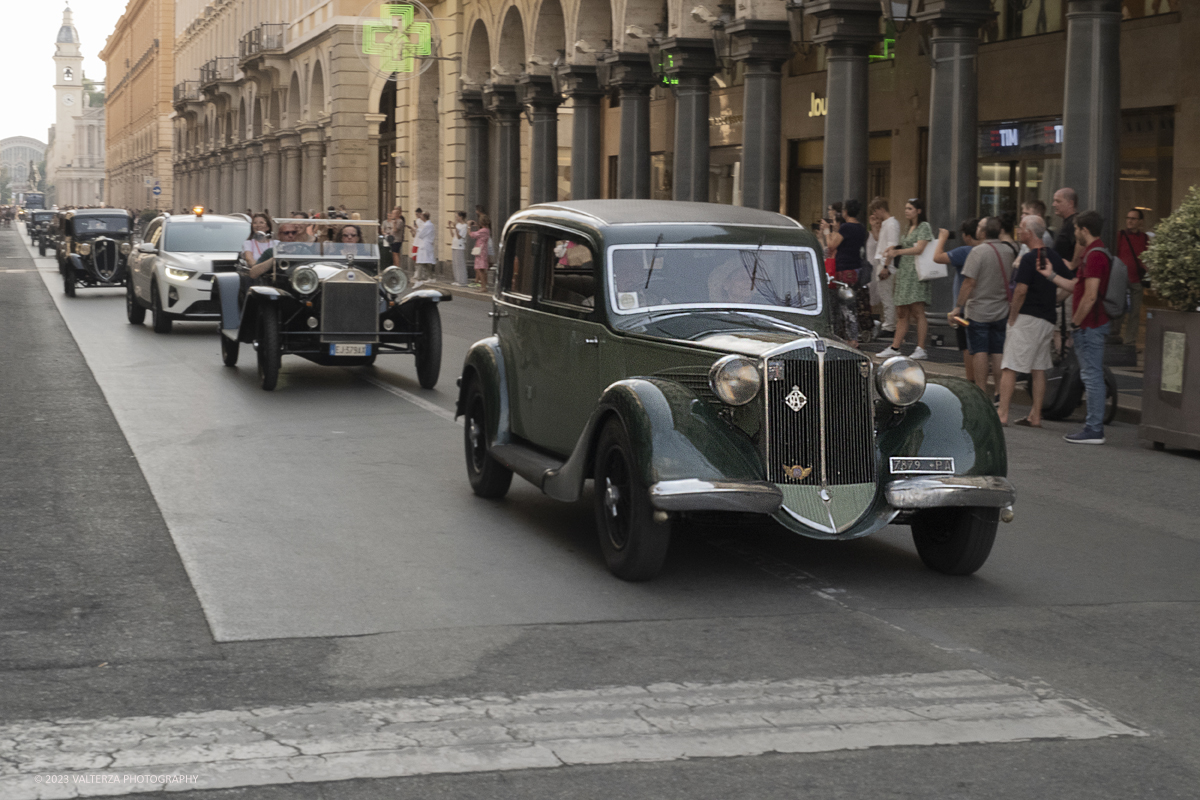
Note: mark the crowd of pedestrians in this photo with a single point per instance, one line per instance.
(1013, 278)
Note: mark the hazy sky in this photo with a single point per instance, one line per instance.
(27, 42)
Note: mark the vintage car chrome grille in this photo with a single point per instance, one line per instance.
(106, 257)
(835, 390)
(349, 308)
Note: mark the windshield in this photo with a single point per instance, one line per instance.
(85, 225)
(645, 277)
(206, 236)
(338, 250)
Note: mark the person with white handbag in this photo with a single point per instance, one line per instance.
(912, 293)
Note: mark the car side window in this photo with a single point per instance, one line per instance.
(155, 233)
(519, 253)
(569, 270)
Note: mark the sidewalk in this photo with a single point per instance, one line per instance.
(946, 360)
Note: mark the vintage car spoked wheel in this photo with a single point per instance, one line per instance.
(229, 350)
(161, 323)
(429, 346)
(268, 348)
(634, 545)
(955, 541)
(489, 478)
(134, 311)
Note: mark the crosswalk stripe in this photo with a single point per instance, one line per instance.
(419, 736)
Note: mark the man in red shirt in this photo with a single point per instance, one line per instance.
(1131, 243)
(1089, 320)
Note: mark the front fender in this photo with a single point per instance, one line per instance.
(227, 286)
(952, 419)
(256, 296)
(419, 296)
(485, 363)
(676, 436)
(74, 262)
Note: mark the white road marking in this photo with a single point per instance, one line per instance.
(416, 400)
(420, 736)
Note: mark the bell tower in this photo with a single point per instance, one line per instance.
(68, 88)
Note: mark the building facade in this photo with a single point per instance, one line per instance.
(140, 62)
(75, 150)
(976, 105)
(19, 156)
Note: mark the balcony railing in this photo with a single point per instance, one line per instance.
(187, 90)
(218, 69)
(267, 37)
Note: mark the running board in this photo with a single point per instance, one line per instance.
(526, 462)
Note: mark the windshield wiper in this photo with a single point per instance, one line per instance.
(653, 258)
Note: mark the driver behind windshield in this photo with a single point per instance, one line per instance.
(292, 240)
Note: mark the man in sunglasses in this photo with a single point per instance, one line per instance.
(292, 241)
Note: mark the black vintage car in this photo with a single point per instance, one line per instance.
(326, 300)
(93, 248)
(37, 225)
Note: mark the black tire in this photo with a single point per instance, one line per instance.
(135, 312)
(1111, 396)
(268, 347)
(429, 346)
(229, 350)
(634, 545)
(41, 248)
(955, 541)
(68, 276)
(489, 478)
(161, 322)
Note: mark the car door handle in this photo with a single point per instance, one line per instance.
(591, 340)
(497, 313)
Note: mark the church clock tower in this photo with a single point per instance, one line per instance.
(68, 89)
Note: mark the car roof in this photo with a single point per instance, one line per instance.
(658, 212)
(99, 212)
(177, 218)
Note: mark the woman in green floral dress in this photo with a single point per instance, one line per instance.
(911, 293)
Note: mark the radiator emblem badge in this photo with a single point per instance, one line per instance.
(798, 472)
(864, 368)
(795, 399)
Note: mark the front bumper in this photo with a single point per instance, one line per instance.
(948, 491)
(690, 494)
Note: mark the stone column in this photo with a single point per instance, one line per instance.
(692, 63)
(226, 188)
(630, 73)
(538, 95)
(272, 186)
(1092, 108)
(501, 100)
(953, 118)
(212, 176)
(289, 144)
(581, 85)
(239, 179)
(312, 174)
(476, 189)
(254, 176)
(762, 46)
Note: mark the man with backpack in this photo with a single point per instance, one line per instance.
(1090, 289)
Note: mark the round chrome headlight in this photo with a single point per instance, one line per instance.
(735, 379)
(305, 280)
(394, 280)
(83, 249)
(900, 381)
(126, 248)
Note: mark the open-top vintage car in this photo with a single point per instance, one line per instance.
(93, 248)
(680, 355)
(327, 300)
(37, 224)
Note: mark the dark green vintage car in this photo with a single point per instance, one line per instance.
(681, 356)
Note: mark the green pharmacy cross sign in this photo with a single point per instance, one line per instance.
(396, 39)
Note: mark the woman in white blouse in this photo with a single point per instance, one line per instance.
(257, 244)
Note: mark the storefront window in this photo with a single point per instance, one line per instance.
(1133, 9)
(806, 180)
(661, 187)
(1029, 18)
(1019, 161)
(1147, 140)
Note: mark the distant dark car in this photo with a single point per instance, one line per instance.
(680, 355)
(328, 302)
(93, 248)
(37, 225)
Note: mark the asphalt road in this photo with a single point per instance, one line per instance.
(175, 542)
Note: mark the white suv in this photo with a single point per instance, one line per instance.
(171, 270)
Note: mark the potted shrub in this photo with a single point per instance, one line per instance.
(1171, 394)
